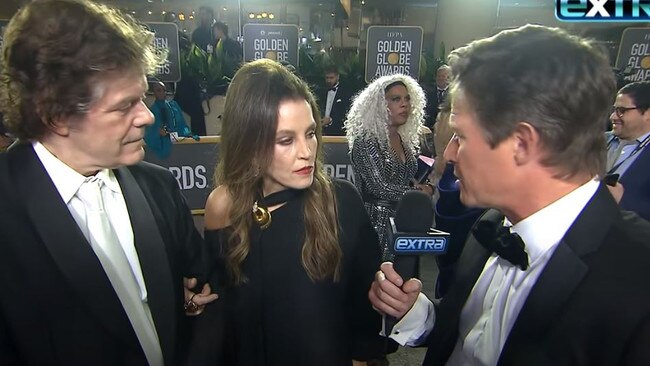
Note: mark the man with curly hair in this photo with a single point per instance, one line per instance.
(95, 243)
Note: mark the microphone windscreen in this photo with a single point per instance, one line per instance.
(414, 212)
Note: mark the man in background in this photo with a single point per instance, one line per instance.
(95, 243)
(628, 154)
(169, 124)
(555, 273)
(202, 35)
(231, 47)
(334, 103)
(438, 94)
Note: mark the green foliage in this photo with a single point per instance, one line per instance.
(214, 71)
(429, 64)
(194, 62)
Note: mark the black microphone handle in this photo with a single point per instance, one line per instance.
(407, 266)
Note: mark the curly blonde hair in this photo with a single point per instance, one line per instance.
(368, 119)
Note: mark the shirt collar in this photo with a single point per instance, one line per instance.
(67, 180)
(109, 179)
(544, 229)
(643, 137)
(628, 142)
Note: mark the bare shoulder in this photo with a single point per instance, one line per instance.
(217, 209)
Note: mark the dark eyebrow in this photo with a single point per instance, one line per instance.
(292, 132)
(397, 95)
(285, 132)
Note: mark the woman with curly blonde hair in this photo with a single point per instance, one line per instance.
(383, 131)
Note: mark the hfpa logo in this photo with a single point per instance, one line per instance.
(602, 10)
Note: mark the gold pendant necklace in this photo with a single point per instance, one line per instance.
(262, 216)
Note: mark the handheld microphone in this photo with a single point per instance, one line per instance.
(411, 235)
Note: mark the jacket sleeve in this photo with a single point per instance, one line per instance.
(363, 321)
(191, 246)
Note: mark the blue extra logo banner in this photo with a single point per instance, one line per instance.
(602, 10)
(425, 244)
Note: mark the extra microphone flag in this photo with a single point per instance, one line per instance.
(430, 242)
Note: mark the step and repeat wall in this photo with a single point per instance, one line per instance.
(192, 163)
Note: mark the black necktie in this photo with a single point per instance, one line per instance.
(498, 239)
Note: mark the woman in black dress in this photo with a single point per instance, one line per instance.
(295, 250)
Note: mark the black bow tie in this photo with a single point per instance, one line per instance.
(498, 239)
(333, 88)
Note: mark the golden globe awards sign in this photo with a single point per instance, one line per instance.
(166, 41)
(393, 50)
(634, 54)
(277, 42)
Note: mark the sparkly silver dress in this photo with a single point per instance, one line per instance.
(382, 179)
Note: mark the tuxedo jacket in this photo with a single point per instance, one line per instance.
(57, 306)
(339, 110)
(590, 305)
(636, 182)
(432, 106)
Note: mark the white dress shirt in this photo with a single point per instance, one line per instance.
(331, 97)
(502, 288)
(67, 182)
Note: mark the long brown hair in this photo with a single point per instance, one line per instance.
(250, 121)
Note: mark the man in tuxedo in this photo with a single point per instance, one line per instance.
(438, 94)
(628, 154)
(563, 279)
(95, 243)
(334, 102)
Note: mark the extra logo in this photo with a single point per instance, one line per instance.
(602, 10)
(423, 244)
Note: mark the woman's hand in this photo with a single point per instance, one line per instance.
(195, 302)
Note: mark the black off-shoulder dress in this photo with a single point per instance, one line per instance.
(279, 316)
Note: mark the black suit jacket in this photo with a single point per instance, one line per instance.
(636, 181)
(590, 305)
(433, 104)
(57, 306)
(339, 110)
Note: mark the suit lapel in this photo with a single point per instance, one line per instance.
(638, 166)
(61, 236)
(562, 274)
(470, 265)
(154, 262)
